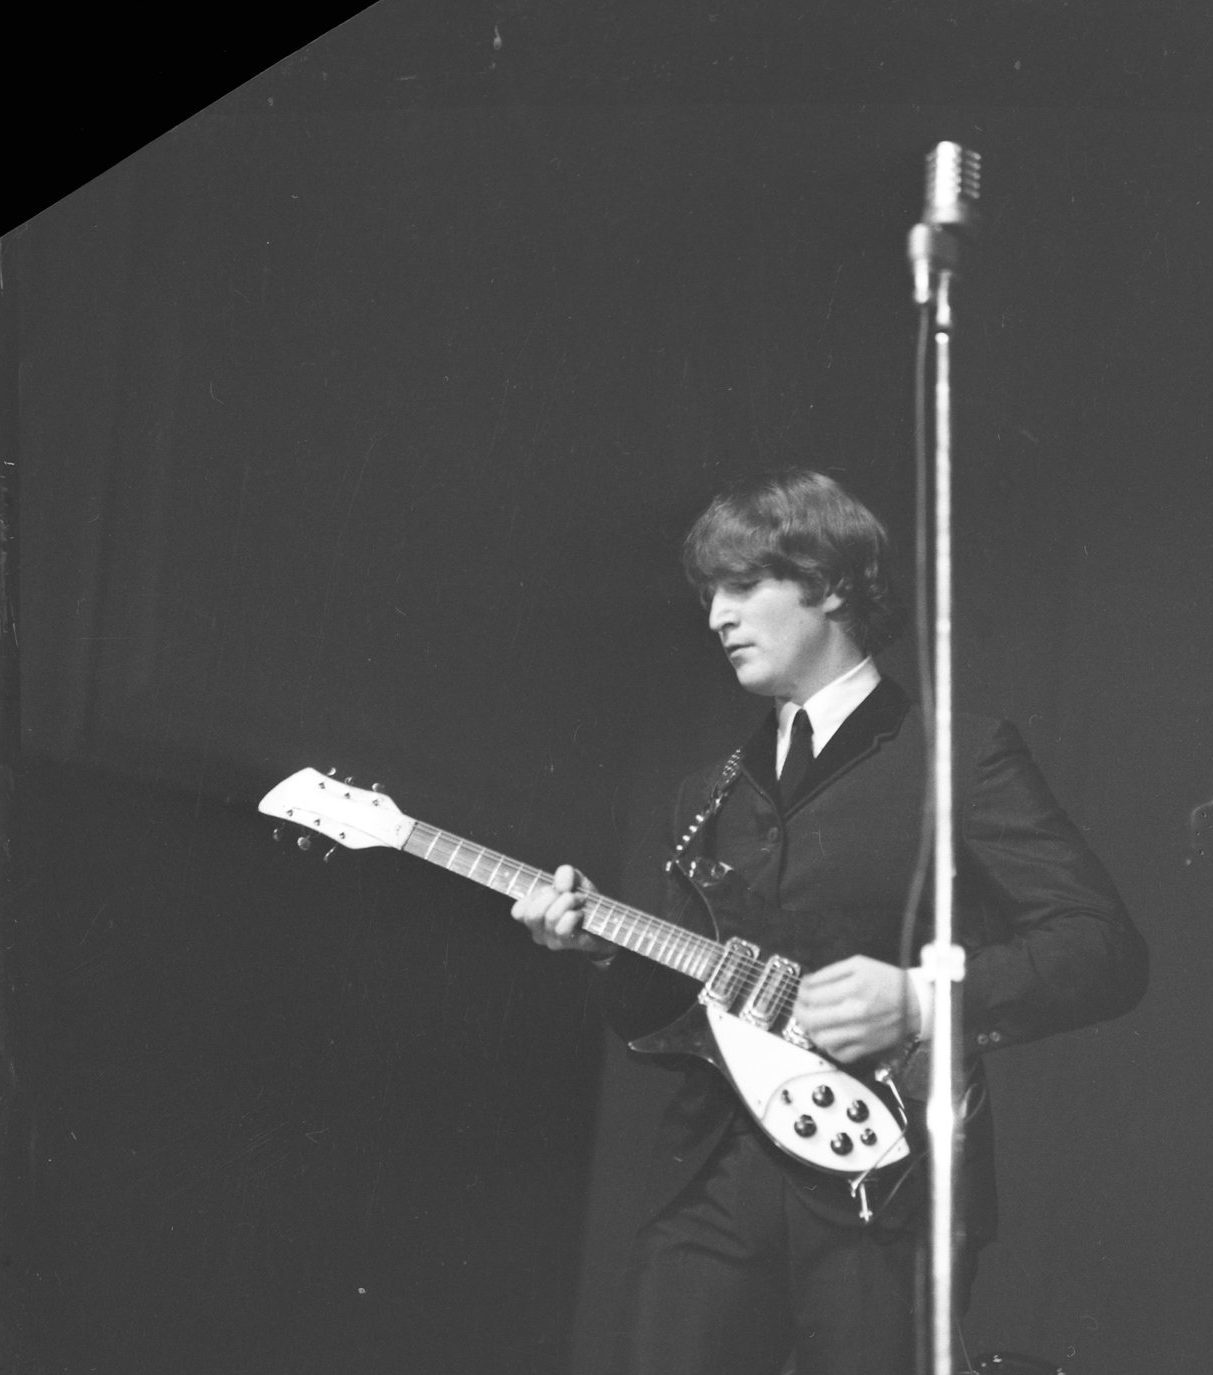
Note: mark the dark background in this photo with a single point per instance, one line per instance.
(354, 421)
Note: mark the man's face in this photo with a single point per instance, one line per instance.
(778, 646)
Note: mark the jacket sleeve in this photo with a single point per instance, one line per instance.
(1050, 946)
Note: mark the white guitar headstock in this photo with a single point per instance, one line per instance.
(357, 818)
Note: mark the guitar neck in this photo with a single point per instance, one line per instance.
(654, 939)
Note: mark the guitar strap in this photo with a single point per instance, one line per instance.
(716, 797)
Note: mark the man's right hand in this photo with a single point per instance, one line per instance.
(552, 914)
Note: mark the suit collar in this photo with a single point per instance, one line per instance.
(830, 706)
(876, 719)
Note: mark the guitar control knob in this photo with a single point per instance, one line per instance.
(304, 842)
(868, 1136)
(842, 1144)
(805, 1126)
(858, 1111)
(823, 1095)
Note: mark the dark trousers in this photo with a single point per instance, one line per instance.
(740, 1271)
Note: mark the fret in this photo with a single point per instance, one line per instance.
(678, 956)
(482, 857)
(651, 937)
(601, 919)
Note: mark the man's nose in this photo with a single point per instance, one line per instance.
(722, 612)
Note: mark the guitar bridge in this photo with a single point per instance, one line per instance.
(729, 978)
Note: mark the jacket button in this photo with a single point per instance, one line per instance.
(982, 1039)
(995, 1036)
(773, 834)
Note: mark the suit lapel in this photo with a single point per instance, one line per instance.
(876, 719)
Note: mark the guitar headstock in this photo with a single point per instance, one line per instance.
(357, 818)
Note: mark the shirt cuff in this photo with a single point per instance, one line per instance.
(924, 998)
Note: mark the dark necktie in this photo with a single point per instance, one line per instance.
(799, 757)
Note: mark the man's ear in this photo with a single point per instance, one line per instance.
(834, 600)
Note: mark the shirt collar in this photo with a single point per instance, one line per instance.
(829, 707)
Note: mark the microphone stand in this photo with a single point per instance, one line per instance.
(944, 958)
(934, 252)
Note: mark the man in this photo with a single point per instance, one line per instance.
(746, 1253)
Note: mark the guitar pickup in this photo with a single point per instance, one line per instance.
(732, 973)
(773, 994)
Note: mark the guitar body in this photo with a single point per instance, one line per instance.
(806, 1103)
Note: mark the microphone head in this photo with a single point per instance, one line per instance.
(953, 186)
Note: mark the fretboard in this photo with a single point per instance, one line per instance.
(655, 939)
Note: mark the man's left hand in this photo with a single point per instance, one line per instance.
(857, 1007)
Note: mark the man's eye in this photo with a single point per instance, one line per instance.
(733, 587)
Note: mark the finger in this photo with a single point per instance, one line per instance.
(566, 879)
(565, 922)
(831, 974)
(533, 904)
(848, 1051)
(830, 1005)
(826, 1031)
(544, 910)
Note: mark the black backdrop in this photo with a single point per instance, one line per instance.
(357, 419)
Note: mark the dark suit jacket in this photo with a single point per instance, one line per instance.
(1049, 945)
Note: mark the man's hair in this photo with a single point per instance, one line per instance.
(805, 527)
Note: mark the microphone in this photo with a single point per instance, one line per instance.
(949, 213)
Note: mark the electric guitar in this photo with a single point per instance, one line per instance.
(742, 1022)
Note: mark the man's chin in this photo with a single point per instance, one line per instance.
(753, 682)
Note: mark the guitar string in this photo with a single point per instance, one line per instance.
(679, 948)
(689, 948)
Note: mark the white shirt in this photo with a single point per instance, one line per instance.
(827, 709)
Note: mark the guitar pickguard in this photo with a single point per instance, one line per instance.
(807, 1104)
